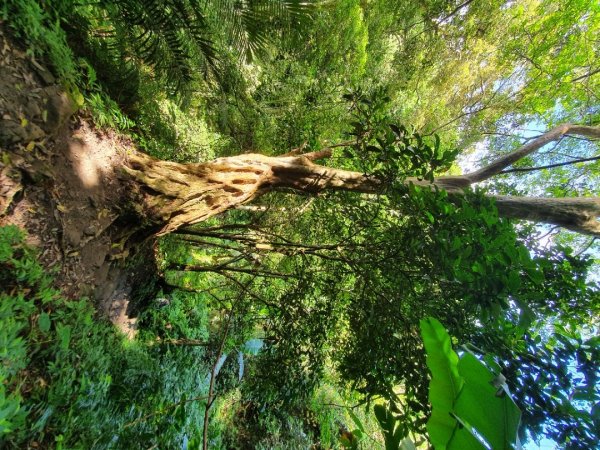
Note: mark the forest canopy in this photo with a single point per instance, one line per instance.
(334, 224)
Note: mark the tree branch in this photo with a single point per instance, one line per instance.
(579, 214)
(321, 154)
(327, 151)
(503, 162)
(185, 342)
(220, 267)
(587, 75)
(551, 166)
(455, 11)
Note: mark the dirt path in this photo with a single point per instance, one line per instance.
(59, 180)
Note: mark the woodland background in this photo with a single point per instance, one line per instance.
(316, 320)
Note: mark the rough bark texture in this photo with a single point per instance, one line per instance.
(184, 194)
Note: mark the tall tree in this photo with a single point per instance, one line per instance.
(177, 195)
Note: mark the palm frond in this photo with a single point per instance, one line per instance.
(182, 40)
(253, 25)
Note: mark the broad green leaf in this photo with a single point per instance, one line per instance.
(445, 384)
(488, 410)
(356, 420)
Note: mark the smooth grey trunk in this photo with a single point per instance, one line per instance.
(576, 214)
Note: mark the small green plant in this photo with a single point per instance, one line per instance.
(43, 36)
(13, 352)
(106, 112)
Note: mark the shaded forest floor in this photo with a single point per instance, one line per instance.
(59, 179)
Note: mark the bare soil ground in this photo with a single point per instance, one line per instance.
(60, 181)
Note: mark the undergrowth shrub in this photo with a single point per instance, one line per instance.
(40, 28)
(120, 93)
(166, 130)
(67, 378)
(43, 36)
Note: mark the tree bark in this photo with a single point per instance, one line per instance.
(576, 214)
(184, 194)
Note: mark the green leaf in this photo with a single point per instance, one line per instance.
(436, 144)
(489, 411)
(536, 275)
(445, 384)
(514, 281)
(356, 420)
(64, 334)
(44, 322)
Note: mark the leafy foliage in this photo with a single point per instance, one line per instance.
(388, 150)
(170, 35)
(470, 402)
(46, 38)
(68, 377)
(396, 260)
(178, 39)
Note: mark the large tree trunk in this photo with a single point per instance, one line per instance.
(184, 194)
(177, 195)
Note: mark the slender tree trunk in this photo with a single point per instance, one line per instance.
(576, 214)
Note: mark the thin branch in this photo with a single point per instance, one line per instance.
(455, 11)
(586, 248)
(337, 405)
(219, 268)
(185, 342)
(211, 387)
(235, 226)
(587, 75)
(295, 151)
(512, 135)
(545, 235)
(551, 166)
(250, 293)
(264, 244)
(319, 154)
(327, 151)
